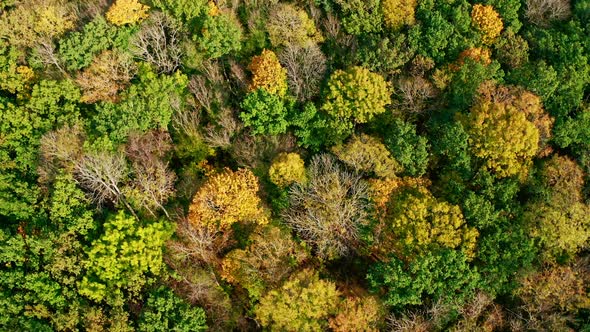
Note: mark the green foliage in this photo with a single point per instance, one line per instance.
(445, 276)
(360, 17)
(264, 112)
(165, 311)
(220, 35)
(124, 258)
(78, 48)
(407, 147)
(147, 104)
(13, 77)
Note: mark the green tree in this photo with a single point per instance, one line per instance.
(444, 275)
(264, 112)
(407, 147)
(360, 17)
(220, 34)
(124, 258)
(302, 303)
(165, 311)
(147, 104)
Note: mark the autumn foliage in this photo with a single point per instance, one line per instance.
(268, 74)
(397, 13)
(487, 21)
(286, 169)
(226, 198)
(124, 12)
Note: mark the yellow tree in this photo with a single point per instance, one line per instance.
(397, 13)
(487, 21)
(289, 25)
(302, 303)
(421, 222)
(356, 94)
(560, 219)
(367, 154)
(227, 198)
(268, 74)
(286, 169)
(127, 12)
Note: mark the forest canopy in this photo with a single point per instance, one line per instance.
(271, 165)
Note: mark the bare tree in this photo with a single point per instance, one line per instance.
(158, 43)
(329, 209)
(46, 54)
(305, 67)
(220, 135)
(102, 173)
(542, 12)
(153, 182)
(415, 93)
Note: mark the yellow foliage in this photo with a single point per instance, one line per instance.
(502, 136)
(367, 154)
(420, 221)
(227, 198)
(52, 22)
(397, 13)
(271, 255)
(487, 21)
(286, 169)
(357, 314)
(356, 93)
(303, 303)
(289, 25)
(268, 74)
(213, 9)
(381, 189)
(127, 12)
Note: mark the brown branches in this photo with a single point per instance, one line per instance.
(158, 43)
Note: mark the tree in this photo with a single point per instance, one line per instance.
(269, 258)
(147, 104)
(28, 24)
(487, 21)
(158, 43)
(101, 173)
(421, 223)
(360, 17)
(305, 66)
(164, 311)
(444, 275)
(124, 258)
(124, 12)
(558, 218)
(303, 303)
(365, 153)
(153, 182)
(220, 33)
(289, 25)
(356, 95)
(264, 112)
(512, 49)
(551, 297)
(361, 314)
(109, 73)
(286, 169)
(268, 74)
(397, 13)
(408, 148)
(226, 198)
(502, 137)
(14, 77)
(328, 210)
(543, 12)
